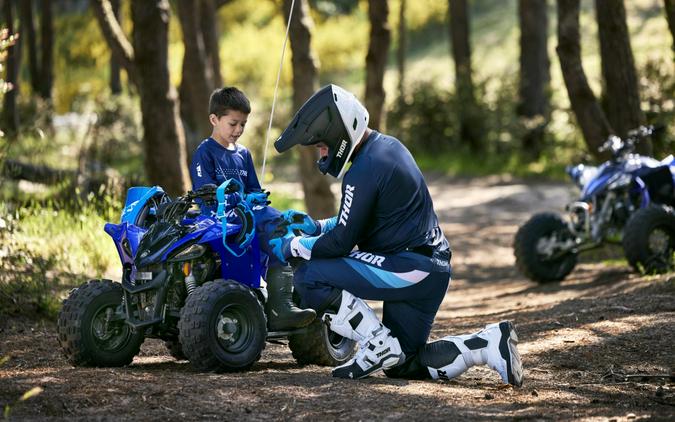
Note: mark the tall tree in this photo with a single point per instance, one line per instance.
(146, 63)
(592, 120)
(319, 199)
(47, 49)
(28, 29)
(115, 80)
(9, 117)
(209, 26)
(376, 60)
(461, 52)
(534, 73)
(197, 81)
(621, 99)
(670, 17)
(402, 45)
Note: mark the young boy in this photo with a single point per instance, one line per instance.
(219, 158)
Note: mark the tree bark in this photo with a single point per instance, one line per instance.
(197, 80)
(319, 199)
(10, 116)
(376, 61)
(116, 39)
(163, 132)
(621, 99)
(115, 81)
(590, 117)
(461, 53)
(534, 74)
(28, 29)
(401, 51)
(47, 50)
(670, 17)
(210, 34)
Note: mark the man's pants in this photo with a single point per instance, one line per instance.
(411, 285)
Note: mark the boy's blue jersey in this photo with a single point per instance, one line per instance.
(385, 206)
(213, 163)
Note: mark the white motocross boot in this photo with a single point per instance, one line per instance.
(495, 345)
(378, 349)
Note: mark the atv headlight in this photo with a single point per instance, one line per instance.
(191, 252)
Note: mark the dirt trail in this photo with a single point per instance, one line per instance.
(601, 319)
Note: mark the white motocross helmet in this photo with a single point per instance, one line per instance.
(333, 116)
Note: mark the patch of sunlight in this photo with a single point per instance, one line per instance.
(589, 334)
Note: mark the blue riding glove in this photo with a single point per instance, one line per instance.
(257, 198)
(292, 246)
(298, 220)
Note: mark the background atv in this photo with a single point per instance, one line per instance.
(629, 197)
(189, 280)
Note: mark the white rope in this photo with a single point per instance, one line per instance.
(276, 87)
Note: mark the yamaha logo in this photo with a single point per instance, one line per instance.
(341, 150)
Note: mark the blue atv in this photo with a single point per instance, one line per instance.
(628, 199)
(191, 280)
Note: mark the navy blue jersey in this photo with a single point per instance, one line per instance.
(213, 163)
(385, 206)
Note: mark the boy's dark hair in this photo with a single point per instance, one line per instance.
(228, 98)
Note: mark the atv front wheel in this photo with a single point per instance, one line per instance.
(541, 250)
(649, 239)
(92, 331)
(222, 327)
(319, 345)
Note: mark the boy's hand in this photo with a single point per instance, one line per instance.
(298, 220)
(257, 198)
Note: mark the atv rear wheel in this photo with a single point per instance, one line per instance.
(222, 327)
(319, 345)
(538, 248)
(89, 328)
(649, 239)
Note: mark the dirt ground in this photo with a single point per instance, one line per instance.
(578, 340)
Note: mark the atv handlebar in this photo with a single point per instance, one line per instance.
(620, 147)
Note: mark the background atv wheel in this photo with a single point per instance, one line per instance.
(222, 327)
(320, 346)
(87, 331)
(540, 231)
(175, 349)
(649, 239)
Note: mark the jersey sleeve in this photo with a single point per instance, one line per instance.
(359, 196)
(252, 183)
(202, 170)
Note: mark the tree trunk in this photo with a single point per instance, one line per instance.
(10, 115)
(197, 80)
(319, 199)
(47, 35)
(589, 114)
(621, 99)
(461, 53)
(670, 17)
(116, 39)
(164, 140)
(376, 61)
(534, 74)
(210, 34)
(115, 82)
(28, 30)
(401, 51)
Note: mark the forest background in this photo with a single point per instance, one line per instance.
(449, 78)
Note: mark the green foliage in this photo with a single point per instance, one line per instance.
(46, 246)
(657, 89)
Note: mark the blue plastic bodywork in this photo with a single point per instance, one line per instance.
(239, 261)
